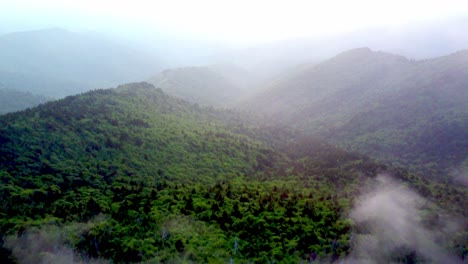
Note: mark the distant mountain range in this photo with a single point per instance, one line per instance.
(398, 110)
(420, 40)
(57, 62)
(12, 100)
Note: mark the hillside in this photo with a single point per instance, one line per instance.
(57, 62)
(11, 100)
(380, 104)
(132, 174)
(217, 85)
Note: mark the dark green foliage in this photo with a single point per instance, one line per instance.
(274, 222)
(161, 180)
(425, 131)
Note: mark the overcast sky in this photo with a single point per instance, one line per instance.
(236, 22)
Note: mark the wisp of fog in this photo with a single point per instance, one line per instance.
(51, 244)
(395, 225)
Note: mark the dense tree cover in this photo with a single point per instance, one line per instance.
(404, 112)
(422, 129)
(161, 180)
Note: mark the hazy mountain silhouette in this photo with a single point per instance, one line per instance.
(381, 104)
(12, 100)
(420, 40)
(217, 85)
(65, 63)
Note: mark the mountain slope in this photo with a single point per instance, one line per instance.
(144, 164)
(429, 127)
(336, 79)
(68, 60)
(132, 174)
(380, 104)
(123, 127)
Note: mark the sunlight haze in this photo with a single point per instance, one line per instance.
(230, 22)
(242, 131)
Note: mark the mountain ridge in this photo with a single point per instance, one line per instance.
(216, 85)
(154, 178)
(329, 98)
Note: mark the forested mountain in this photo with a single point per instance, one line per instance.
(57, 62)
(409, 112)
(12, 100)
(217, 85)
(132, 174)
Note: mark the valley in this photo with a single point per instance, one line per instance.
(155, 132)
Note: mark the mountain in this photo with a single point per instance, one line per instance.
(41, 85)
(438, 38)
(11, 100)
(240, 77)
(409, 112)
(132, 174)
(217, 85)
(312, 85)
(57, 62)
(429, 127)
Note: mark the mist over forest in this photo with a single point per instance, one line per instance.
(222, 132)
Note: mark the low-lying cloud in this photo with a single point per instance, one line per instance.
(393, 224)
(396, 225)
(50, 244)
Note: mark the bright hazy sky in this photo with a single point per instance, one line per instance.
(236, 21)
